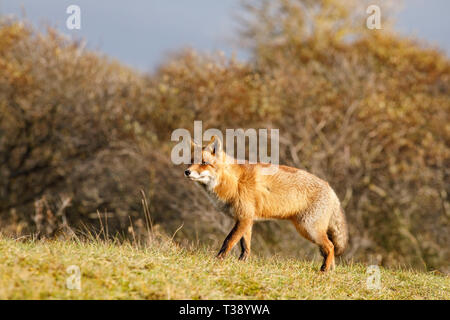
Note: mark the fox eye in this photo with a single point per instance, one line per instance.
(205, 163)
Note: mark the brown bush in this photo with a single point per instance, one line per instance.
(366, 110)
(67, 118)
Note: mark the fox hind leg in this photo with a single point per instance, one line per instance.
(321, 239)
(327, 251)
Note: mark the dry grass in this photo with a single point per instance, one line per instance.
(81, 135)
(32, 269)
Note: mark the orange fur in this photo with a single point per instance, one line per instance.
(289, 193)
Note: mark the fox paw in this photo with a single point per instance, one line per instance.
(221, 256)
(243, 257)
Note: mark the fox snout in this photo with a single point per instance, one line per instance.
(187, 173)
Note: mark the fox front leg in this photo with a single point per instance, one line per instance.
(233, 237)
(246, 244)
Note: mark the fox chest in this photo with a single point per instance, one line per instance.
(220, 205)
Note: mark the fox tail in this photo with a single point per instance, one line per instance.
(338, 231)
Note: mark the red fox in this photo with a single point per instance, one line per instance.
(290, 194)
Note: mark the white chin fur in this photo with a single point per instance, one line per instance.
(205, 178)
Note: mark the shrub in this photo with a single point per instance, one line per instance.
(366, 110)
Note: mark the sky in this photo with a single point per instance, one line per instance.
(141, 33)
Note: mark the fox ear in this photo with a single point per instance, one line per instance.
(214, 146)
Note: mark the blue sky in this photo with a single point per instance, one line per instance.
(141, 33)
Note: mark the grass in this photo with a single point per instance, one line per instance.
(32, 269)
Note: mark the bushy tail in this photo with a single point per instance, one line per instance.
(338, 232)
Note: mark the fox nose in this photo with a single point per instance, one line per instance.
(187, 173)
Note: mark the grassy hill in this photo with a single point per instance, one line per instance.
(366, 110)
(37, 269)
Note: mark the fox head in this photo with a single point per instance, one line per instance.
(208, 171)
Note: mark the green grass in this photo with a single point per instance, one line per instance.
(38, 270)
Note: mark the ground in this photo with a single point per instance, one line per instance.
(36, 269)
